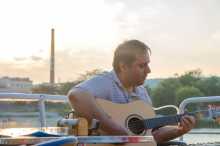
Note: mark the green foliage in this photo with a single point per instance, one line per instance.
(149, 90)
(209, 86)
(190, 84)
(90, 74)
(65, 87)
(45, 88)
(164, 93)
(190, 78)
(185, 92)
(206, 124)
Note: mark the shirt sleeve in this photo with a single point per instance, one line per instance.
(97, 86)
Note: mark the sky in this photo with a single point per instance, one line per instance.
(183, 35)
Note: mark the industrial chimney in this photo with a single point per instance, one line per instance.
(52, 58)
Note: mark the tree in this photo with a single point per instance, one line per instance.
(149, 90)
(209, 86)
(186, 92)
(45, 88)
(190, 78)
(90, 74)
(65, 87)
(164, 93)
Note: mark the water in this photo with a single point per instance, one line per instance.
(201, 136)
(197, 136)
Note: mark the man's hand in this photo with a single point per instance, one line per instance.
(186, 124)
(167, 133)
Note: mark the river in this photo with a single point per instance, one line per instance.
(202, 136)
(196, 136)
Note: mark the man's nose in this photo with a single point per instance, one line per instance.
(147, 70)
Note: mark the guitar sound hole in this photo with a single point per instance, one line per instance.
(136, 126)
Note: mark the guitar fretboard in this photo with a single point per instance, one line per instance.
(161, 121)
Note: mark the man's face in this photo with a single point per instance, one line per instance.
(136, 73)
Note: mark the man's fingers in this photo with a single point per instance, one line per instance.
(187, 122)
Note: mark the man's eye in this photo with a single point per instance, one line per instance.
(141, 65)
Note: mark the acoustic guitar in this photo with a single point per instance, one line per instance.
(139, 117)
(128, 114)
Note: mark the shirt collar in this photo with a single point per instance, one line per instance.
(116, 79)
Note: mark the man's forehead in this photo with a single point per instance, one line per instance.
(143, 58)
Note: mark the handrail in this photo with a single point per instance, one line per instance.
(62, 98)
(41, 98)
(187, 101)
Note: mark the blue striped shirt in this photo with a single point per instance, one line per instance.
(108, 86)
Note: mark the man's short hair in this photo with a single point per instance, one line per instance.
(127, 51)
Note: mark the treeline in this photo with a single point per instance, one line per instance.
(190, 84)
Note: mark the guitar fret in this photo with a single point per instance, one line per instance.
(161, 121)
(146, 124)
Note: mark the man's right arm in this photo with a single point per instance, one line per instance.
(85, 105)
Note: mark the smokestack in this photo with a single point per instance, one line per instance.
(52, 58)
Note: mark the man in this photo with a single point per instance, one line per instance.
(122, 85)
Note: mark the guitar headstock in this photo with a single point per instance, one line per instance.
(214, 112)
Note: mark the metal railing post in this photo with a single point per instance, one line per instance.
(42, 111)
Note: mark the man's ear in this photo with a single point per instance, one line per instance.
(122, 66)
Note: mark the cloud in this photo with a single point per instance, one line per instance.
(212, 44)
(36, 58)
(216, 36)
(87, 32)
(27, 59)
(20, 58)
(69, 64)
(35, 71)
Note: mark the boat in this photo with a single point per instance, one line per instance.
(42, 126)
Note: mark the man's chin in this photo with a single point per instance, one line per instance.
(140, 83)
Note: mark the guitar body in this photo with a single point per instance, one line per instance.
(122, 113)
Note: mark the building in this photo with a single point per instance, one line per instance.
(15, 84)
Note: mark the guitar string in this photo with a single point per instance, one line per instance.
(133, 124)
(137, 124)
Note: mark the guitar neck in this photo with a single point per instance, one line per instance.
(161, 121)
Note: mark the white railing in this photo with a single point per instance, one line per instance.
(41, 98)
(207, 99)
(33, 96)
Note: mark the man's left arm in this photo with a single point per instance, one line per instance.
(167, 133)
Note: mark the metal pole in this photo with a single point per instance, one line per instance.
(42, 111)
(52, 58)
